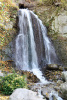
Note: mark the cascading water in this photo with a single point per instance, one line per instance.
(55, 94)
(32, 44)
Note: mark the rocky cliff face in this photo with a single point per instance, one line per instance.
(8, 29)
(55, 19)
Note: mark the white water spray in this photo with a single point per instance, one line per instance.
(55, 94)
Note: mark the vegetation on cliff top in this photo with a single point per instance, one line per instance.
(7, 8)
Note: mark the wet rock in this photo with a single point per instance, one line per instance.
(56, 88)
(24, 94)
(63, 90)
(53, 75)
(64, 76)
(30, 76)
(46, 90)
(52, 67)
(58, 83)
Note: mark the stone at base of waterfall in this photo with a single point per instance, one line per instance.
(64, 76)
(46, 90)
(63, 90)
(1, 74)
(52, 66)
(30, 76)
(24, 94)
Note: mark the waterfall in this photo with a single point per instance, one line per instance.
(33, 47)
(55, 95)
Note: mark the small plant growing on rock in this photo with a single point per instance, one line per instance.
(11, 82)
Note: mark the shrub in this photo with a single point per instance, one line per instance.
(11, 82)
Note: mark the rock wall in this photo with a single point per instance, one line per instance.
(8, 29)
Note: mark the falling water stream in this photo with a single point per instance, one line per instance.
(27, 45)
(54, 94)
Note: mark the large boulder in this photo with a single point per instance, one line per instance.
(63, 90)
(24, 94)
(64, 76)
(52, 66)
(60, 23)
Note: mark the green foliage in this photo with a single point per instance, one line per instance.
(11, 82)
